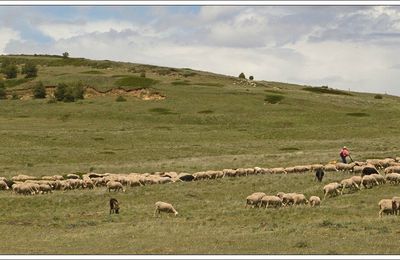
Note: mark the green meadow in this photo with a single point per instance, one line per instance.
(207, 121)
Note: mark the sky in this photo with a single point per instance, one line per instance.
(344, 47)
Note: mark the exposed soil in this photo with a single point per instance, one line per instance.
(142, 93)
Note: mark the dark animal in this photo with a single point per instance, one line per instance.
(319, 174)
(368, 171)
(187, 177)
(114, 206)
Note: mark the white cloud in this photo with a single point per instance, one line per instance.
(6, 35)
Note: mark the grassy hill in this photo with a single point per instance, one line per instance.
(206, 121)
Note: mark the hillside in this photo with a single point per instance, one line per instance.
(178, 119)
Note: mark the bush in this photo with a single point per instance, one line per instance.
(10, 71)
(251, 78)
(30, 70)
(39, 91)
(2, 91)
(68, 93)
(65, 55)
(273, 99)
(59, 93)
(143, 74)
(120, 99)
(378, 96)
(242, 76)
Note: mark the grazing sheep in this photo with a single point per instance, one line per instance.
(229, 172)
(368, 170)
(396, 205)
(330, 168)
(357, 180)
(3, 185)
(369, 181)
(287, 198)
(45, 188)
(73, 176)
(278, 170)
(302, 168)
(164, 207)
(375, 162)
(319, 174)
(299, 199)
(114, 185)
(331, 188)
(392, 169)
(348, 183)
(315, 167)
(88, 184)
(114, 206)
(273, 201)
(22, 177)
(393, 178)
(379, 178)
(386, 206)
(314, 201)
(254, 199)
(289, 169)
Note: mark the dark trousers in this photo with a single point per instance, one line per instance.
(344, 159)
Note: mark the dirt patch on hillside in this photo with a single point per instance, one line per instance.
(142, 93)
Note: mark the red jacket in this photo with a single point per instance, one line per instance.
(344, 153)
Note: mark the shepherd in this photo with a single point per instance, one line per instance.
(344, 153)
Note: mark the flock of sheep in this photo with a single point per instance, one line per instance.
(31, 185)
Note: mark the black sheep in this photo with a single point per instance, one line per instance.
(368, 171)
(319, 174)
(114, 206)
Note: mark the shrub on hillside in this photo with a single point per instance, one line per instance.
(242, 76)
(251, 78)
(39, 91)
(2, 91)
(30, 70)
(14, 96)
(142, 74)
(69, 93)
(10, 71)
(378, 96)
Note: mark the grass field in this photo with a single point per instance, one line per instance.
(207, 121)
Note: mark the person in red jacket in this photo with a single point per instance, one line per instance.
(344, 153)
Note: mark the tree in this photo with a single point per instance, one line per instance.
(242, 76)
(2, 91)
(39, 91)
(30, 70)
(59, 93)
(10, 71)
(251, 78)
(65, 55)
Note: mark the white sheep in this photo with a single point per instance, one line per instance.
(379, 178)
(386, 206)
(393, 178)
(357, 180)
(273, 201)
(314, 201)
(254, 199)
(348, 183)
(3, 185)
(164, 207)
(330, 168)
(331, 188)
(299, 199)
(114, 185)
(369, 181)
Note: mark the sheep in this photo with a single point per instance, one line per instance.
(45, 188)
(287, 198)
(379, 178)
(392, 169)
(393, 178)
(375, 162)
(396, 205)
(314, 201)
(114, 185)
(164, 207)
(274, 201)
(114, 206)
(344, 167)
(357, 180)
(278, 170)
(368, 170)
(241, 172)
(348, 183)
(3, 185)
(358, 169)
(254, 199)
(315, 167)
(289, 169)
(369, 181)
(23, 177)
(386, 206)
(302, 168)
(330, 168)
(299, 199)
(386, 162)
(319, 174)
(73, 176)
(331, 188)
(185, 176)
(88, 184)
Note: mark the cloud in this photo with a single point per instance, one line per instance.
(7, 35)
